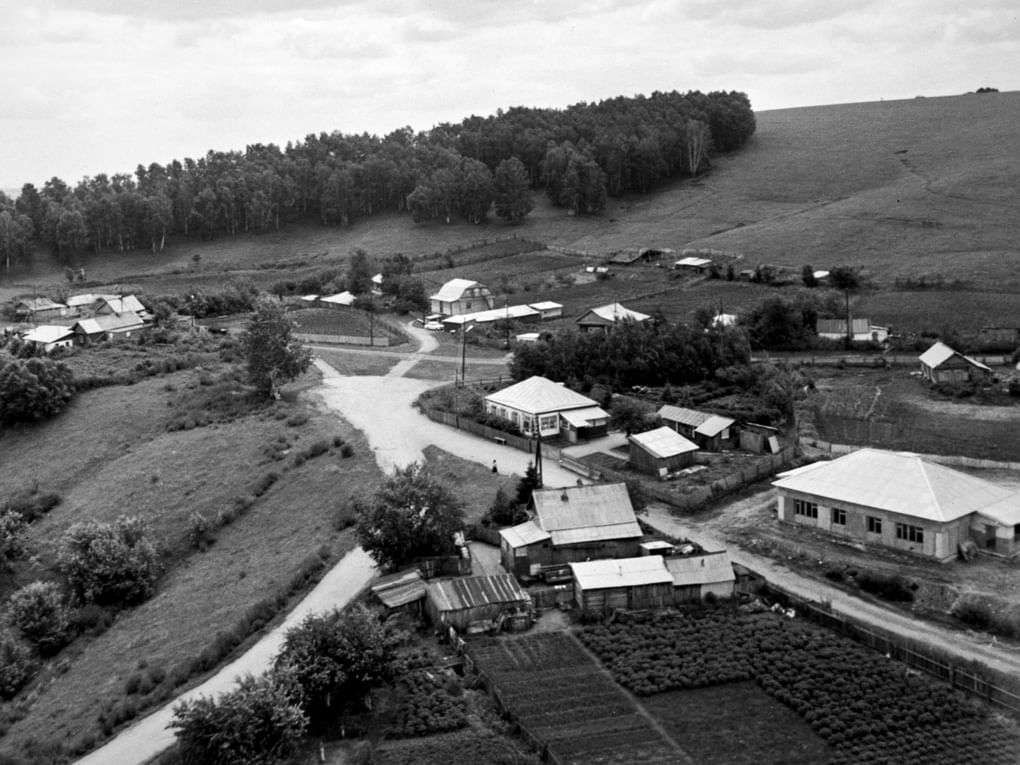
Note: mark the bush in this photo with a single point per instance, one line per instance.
(93, 619)
(887, 587)
(40, 614)
(109, 564)
(347, 451)
(265, 481)
(297, 419)
(12, 525)
(200, 531)
(34, 389)
(33, 505)
(16, 664)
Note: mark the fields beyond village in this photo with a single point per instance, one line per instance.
(918, 193)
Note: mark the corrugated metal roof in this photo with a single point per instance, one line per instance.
(591, 513)
(940, 353)
(583, 418)
(690, 417)
(473, 591)
(714, 425)
(663, 442)
(617, 312)
(110, 323)
(621, 572)
(453, 290)
(524, 534)
(399, 589)
(537, 395)
(38, 304)
(126, 304)
(898, 482)
(692, 262)
(493, 314)
(701, 569)
(48, 333)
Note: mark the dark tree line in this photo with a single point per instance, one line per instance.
(647, 353)
(580, 154)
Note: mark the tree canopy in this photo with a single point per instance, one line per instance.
(412, 516)
(109, 563)
(272, 354)
(33, 389)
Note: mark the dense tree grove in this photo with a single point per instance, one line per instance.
(581, 154)
(647, 353)
(32, 389)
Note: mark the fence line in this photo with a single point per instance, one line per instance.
(954, 460)
(376, 341)
(911, 653)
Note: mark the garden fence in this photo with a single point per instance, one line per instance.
(376, 341)
(874, 360)
(952, 460)
(996, 689)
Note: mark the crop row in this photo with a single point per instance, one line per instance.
(870, 709)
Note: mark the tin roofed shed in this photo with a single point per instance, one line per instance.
(476, 603)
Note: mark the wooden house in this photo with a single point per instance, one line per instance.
(605, 317)
(459, 296)
(711, 432)
(900, 501)
(36, 309)
(548, 309)
(862, 330)
(629, 583)
(697, 576)
(48, 337)
(477, 603)
(117, 306)
(661, 451)
(572, 524)
(940, 363)
(539, 406)
(108, 327)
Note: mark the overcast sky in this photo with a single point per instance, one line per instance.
(94, 86)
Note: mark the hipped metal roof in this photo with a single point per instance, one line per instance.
(898, 482)
(474, 591)
(48, 333)
(581, 514)
(621, 572)
(538, 395)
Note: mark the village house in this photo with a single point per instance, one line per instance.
(901, 501)
(693, 264)
(862, 330)
(108, 327)
(539, 406)
(36, 309)
(460, 296)
(86, 303)
(940, 363)
(711, 432)
(116, 306)
(628, 583)
(478, 603)
(48, 337)
(572, 524)
(605, 317)
(661, 451)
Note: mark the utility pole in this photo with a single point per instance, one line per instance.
(538, 454)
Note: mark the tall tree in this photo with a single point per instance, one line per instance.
(848, 280)
(272, 353)
(513, 195)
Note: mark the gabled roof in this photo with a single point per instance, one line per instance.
(48, 333)
(1005, 512)
(38, 304)
(109, 323)
(940, 353)
(453, 290)
(524, 534)
(614, 312)
(689, 417)
(493, 314)
(399, 589)
(701, 569)
(692, 262)
(838, 326)
(714, 425)
(582, 514)
(126, 304)
(898, 482)
(473, 591)
(546, 305)
(621, 572)
(538, 395)
(663, 442)
(340, 298)
(86, 299)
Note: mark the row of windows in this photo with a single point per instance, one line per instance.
(904, 531)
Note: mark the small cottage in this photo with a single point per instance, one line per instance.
(605, 317)
(539, 406)
(631, 583)
(47, 337)
(108, 327)
(942, 364)
(661, 451)
(459, 296)
(478, 603)
(36, 309)
(697, 576)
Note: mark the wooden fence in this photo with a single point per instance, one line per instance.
(856, 359)
(998, 690)
(376, 341)
(952, 460)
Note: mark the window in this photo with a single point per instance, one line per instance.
(838, 517)
(910, 533)
(874, 525)
(548, 422)
(804, 508)
(526, 424)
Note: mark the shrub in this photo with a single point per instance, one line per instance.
(265, 481)
(33, 505)
(12, 525)
(16, 664)
(109, 564)
(317, 447)
(200, 531)
(297, 419)
(40, 614)
(92, 619)
(347, 451)
(887, 587)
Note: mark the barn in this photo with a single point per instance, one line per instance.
(940, 363)
(661, 451)
(477, 603)
(573, 524)
(711, 432)
(698, 576)
(897, 500)
(631, 583)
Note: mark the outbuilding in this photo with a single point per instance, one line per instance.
(478, 603)
(711, 432)
(402, 591)
(661, 451)
(697, 576)
(539, 406)
(898, 500)
(547, 309)
(942, 364)
(861, 330)
(630, 583)
(108, 327)
(693, 264)
(36, 309)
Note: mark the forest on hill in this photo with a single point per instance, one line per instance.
(580, 155)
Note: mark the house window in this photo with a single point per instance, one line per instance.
(805, 508)
(520, 552)
(910, 533)
(838, 517)
(526, 424)
(874, 525)
(548, 422)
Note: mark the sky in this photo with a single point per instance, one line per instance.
(100, 86)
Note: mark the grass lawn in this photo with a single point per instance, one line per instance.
(355, 363)
(114, 456)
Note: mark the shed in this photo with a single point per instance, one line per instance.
(697, 265)
(604, 317)
(404, 590)
(940, 363)
(476, 603)
(632, 583)
(661, 451)
(696, 576)
(547, 309)
(108, 326)
(343, 299)
(711, 432)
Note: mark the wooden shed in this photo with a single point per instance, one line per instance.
(477, 603)
(711, 432)
(696, 576)
(402, 591)
(632, 583)
(661, 451)
(940, 363)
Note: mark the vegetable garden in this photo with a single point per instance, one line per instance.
(868, 708)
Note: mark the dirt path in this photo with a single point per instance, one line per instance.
(967, 646)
